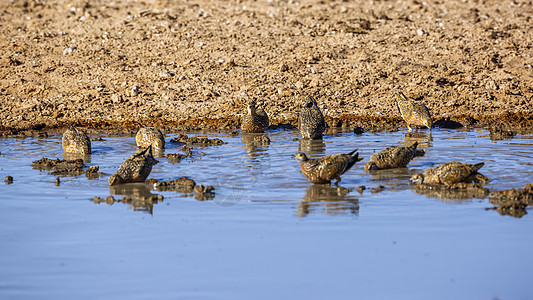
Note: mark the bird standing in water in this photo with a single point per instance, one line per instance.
(255, 120)
(413, 112)
(76, 141)
(150, 136)
(324, 169)
(311, 122)
(136, 168)
(450, 173)
(392, 157)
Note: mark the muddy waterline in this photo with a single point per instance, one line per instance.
(266, 232)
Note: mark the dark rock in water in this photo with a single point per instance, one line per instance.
(9, 179)
(361, 188)
(109, 200)
(176, 157)
(92, 172)
(182, 185)
(378, 189)
(203, 193)
(92, 169)
(59, 166)
(513, 209)
(448, 124)
(513, 202)
(358, 130)
(184, 139)
(497, 134)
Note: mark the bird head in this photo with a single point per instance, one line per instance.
(115, 179)
(417, 178)
(310, 101)
(400, 96)
(300, 157)
(371, 166)
(251, 107)
(428, 123)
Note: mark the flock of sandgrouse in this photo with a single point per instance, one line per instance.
(311, 125)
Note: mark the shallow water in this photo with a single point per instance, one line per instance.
(268, 232)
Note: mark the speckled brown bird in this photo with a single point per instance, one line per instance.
(311, 122)
(134, 169)
(150, 136)
(255, 120)
(392, 157)
(413, 112)
(324, 169)
(449, 173)
(76, 141)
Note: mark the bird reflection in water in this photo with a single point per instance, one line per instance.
(459, 193)
(156, 152)
(328, 199)
(137, 195)
(258, 158)
(309, 146)
(424, 140)
(73, 156)
(394, 179)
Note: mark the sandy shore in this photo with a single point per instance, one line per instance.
(192, 64)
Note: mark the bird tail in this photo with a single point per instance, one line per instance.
(478, 166)
(351, 153)
(355, 158)
(414, 145)
(399, 96)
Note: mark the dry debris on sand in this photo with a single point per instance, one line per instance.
(187, 64)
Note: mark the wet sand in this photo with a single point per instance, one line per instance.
(192, 64)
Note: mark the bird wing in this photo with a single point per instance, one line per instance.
(333, 165)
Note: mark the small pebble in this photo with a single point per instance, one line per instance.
(377, 189)
(9, 179)
(58, 181)
(361, 188)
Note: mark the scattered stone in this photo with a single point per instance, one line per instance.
(361, 188)
(378, 189)
(58, 181)
(513, 202)
(92, 172)
(92, 169)
(295, 139)
(342, 191)
(497, 134)
(188, 150)
(203, 189)
(184, 139)
(234, 133)
(203, 193)
(176, 157)
(513, 209)
(182, 185)
(9, 179)
(60, 166)
(109, 200)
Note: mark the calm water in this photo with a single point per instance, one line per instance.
(268, 233)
